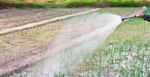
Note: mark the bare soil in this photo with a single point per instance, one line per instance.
(16, 17)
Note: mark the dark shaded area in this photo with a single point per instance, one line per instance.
(25, 5)
(128, 4)
(44, 5)
(4, 5)
(82, 4)
(147, 17)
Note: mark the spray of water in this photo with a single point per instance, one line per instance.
(78, 37)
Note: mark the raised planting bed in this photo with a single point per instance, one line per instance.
(17, 17)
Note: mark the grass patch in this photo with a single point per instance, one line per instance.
(29, 5)
(81, 3)
(54, 4)
(126, 4)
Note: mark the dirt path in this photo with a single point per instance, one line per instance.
(16, 17)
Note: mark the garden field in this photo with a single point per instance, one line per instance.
(69, 47)
(125, 53)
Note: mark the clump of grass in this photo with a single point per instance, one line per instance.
(27, 5)
(126, 4)
(81, 3)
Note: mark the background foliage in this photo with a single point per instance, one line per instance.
(73, 3)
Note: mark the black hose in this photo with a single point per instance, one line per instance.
(127, 17)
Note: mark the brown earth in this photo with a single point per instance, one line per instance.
(16, 17)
